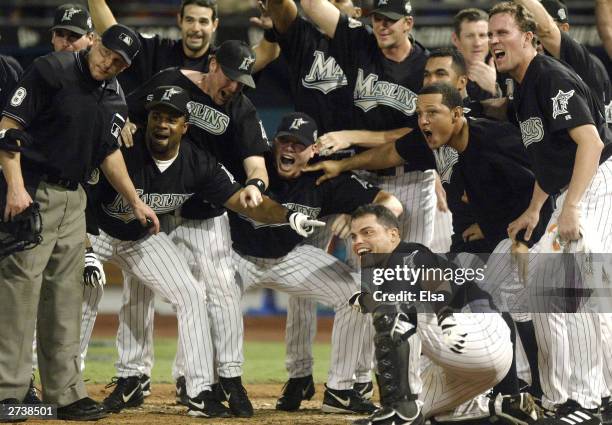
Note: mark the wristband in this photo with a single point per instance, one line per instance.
(258, 183)
(270, 35)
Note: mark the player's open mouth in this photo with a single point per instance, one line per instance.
(287, 160)
(160, 137)
(363, 251)
(498, 53)
(427, 133)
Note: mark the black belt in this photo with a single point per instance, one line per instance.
(65, 183)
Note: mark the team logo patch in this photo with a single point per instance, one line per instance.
(297, 123)
(408, 8)
(169, 93)
(18, 96)
(362, 182)
(325, 74)
(264, 136)
(446, 158)
(89, 23)
(115, 130)
(69, 13)
(609, 113)
(382, 2)
(161, 203)
(354, 23)
(94, 177)
(559, 103)
(409, 260)
(532, 131)
(370, 93)
(207, 118)
(126, 39)
(246, 63)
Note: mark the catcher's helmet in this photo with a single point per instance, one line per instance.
(22, 232)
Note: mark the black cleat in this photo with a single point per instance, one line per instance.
(606, 411)
(366, 389)
(571, 413)
(181, 392)
(31, 396)
(84, 409)
(145, 385)
(294, 391)
(514, 410)
(218, 392)
(345, 401)
(14, 418)
(206, 406)
(236, 396)
(389, 416)
(127, 393)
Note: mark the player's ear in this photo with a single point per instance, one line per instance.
(409, 23)
(357, 12)
(457, 113)
(455, 39)
(462, 82)
(529, 39)
(185, 126)
(178, 19)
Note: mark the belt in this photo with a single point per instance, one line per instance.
(65, 183)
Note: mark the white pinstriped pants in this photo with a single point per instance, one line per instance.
(312, 273)
(156, 261)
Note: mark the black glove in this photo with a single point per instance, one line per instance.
(9, 138)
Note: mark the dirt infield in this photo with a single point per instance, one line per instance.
(160, 408)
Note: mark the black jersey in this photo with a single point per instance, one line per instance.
(231, 133)
(318, 84)
(551, 100)
(342, 194)
(384, 91)
(462, 290)
(75, 121)
(590, 69)
(10, 73)
(194, 171)
(157, 53)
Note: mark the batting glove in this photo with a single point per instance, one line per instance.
(302, 224)
(451, 332)
(93, 274)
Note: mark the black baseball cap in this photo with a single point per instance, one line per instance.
(298, 125)
(122, 40)
(236, 59)
(392, 9)
(173, 97)
(72, 17)
(557, 9)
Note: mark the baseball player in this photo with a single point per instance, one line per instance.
(72, 108)
(224, 122)
(10, 72)
(72, 29)
(563, 128)
(167, 172)
(269, 256)
(470, 352)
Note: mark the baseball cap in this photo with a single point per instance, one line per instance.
(236, 59)
(122, 40)
(72, 17)
(557, 9)
(392, 9)
(298, 125)
(173, 97)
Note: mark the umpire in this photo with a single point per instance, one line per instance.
(73, 110)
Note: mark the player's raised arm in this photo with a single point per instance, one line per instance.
(101, 15)
(256, 182)
(283, 13)
(546, 29)
(390, 202)
(603, 17)
(323, 14)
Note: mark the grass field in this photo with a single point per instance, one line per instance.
(264, 361)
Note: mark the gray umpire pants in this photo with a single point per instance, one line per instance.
(42, 288)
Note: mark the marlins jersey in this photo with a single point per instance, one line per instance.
(384, 91)
(231, 133)
(319, 85)
(194, 171)
(10, 72)
(590, 69)
(549, 102)
(342, 194)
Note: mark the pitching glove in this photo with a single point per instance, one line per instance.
(451, 332)
(303, 225)
(93, 274)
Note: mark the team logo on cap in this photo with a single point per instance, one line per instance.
(126, 39)
(383, 2)
(297, 123)
(89, 24)
(246, 63)
(561, 14)
(169, 93)
(69, 13)
(560, 102)
(408, 7)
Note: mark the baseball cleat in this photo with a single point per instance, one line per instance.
(15, 418)
(181, 392)
(571, 413)
(236, 396)
(206, 406)
(84, 409)
(32, 396)
(606, 411)
(514, 410)
(294, 391)
(345, 401)
(389, 416)
(366, 389)
(145, 385)
(127, 393)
